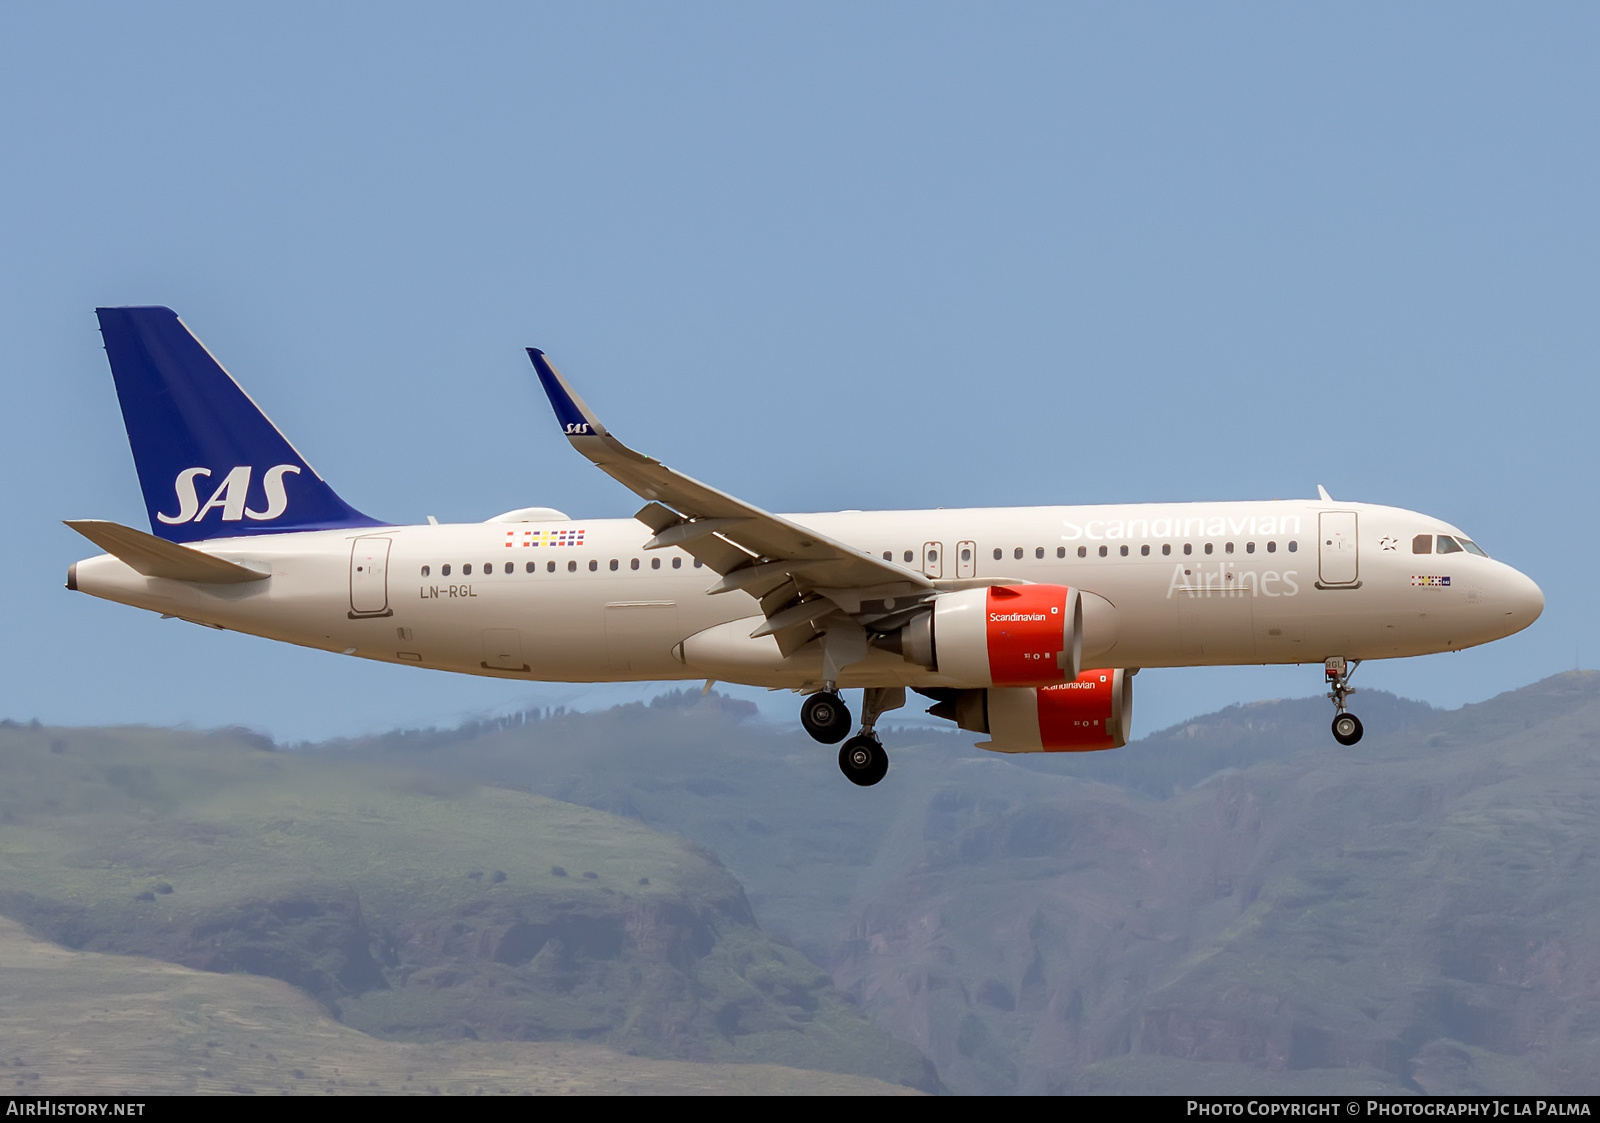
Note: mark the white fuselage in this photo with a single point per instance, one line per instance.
(1165, 585)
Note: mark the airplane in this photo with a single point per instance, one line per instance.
(1024, 624)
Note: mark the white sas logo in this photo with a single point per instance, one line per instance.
(230, 495)
(577, 428)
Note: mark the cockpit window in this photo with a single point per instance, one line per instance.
(1472, 547)
(1448, 545)
(1422, 544)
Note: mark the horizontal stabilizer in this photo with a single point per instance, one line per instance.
(156, 557)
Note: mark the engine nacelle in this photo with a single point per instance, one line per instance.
(1003, 635)
(1094, 711)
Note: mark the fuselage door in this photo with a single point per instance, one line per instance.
(966, 559)
(369, 577)
(933, 559)
(1337, 559)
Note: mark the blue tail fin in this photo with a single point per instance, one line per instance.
(210, 463)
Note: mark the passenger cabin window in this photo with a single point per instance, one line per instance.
(550, 567)
(426, 570)
(533, 567)
(1144, 551)
(1272, 547)
(572, 567)
(910, 557)
(1061, 551)
(1124, 551)
(1188, 548)
(888, 555)
(1249, 547)
(998, 553)
(655, 563)
(613, 565)
(1228, 549)
(1102, 551)
(1083, 551)
(1208, 547)
(1017, 553)
(1293, 546)
(445, 569)
(1038, 551)
(1422, 544)
(1448, 545)
(633, 563)
(594, 564)
(466, 570)
(1166, 549)
(677, 563)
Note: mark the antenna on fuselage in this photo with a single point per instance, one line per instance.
(1323, 492)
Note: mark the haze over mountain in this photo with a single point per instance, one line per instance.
(1234, 904)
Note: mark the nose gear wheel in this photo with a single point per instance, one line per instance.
(1346, 726)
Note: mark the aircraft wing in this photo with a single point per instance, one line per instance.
(790, 568)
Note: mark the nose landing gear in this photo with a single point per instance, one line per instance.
(1346, 726)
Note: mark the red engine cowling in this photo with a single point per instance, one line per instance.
(1004, 635)
(1095, 711)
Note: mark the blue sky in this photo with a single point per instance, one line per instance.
(863, 255)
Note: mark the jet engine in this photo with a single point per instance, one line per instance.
(1094, 711)
(1003, 635)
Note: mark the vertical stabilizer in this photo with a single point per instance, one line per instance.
(210, 463)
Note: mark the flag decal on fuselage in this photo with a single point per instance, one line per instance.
(544, 538)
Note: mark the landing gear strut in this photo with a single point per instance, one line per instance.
(862, 758)
(825, 716)
(1346, 726)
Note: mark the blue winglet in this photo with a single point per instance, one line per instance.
(196, 434)
(576, 418)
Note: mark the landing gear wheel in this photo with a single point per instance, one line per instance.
(1346, 729)
(826, 717)
(1346, 726)
(863, 760)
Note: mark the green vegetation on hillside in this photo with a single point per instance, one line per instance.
(413, 907)
(1232, 904)
(82, 1023)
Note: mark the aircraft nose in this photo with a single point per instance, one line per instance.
(1524, 600)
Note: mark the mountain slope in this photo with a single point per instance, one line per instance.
(412, 906)
(1233, 903)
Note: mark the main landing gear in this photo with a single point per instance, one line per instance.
(863, 760)
(825, 716)
(1346, 726)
